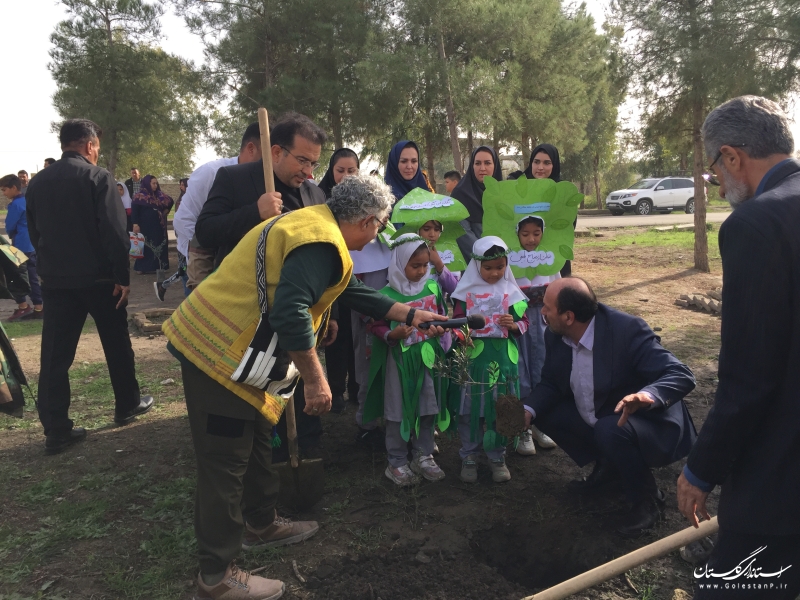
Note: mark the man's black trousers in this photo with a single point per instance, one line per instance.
(64, 316)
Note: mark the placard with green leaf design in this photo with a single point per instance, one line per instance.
(420, 206)
(506, 203)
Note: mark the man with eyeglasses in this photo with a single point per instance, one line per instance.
(238, 201)
(750, 442)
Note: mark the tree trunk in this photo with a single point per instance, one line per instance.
(526, 149)
(596, 178)
(429, 155)
(684, 165)
(470, 144)
(113, 152)
(700, 233)
(336, 127)
(451, 112)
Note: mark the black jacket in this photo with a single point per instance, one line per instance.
(129, 185)
(750, 442)
(231, 209)
(77, 225)
(627, 358)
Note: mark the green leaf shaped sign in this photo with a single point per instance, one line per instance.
(506, 203)
(420, 206)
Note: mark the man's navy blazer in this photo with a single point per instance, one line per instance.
(750, 441)
(628, 358)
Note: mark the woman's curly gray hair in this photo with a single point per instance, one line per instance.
(360, 196)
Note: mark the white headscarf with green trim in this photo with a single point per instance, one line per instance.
(401, 254)
(472, 282)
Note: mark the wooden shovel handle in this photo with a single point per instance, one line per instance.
(266, 149)
(626, 563)
(291, 433)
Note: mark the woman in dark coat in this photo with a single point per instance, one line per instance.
(469, 191)
(149, 211)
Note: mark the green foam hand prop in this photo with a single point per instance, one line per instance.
(506, 203)
(420, 206)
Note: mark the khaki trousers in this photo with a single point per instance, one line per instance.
(235, 481)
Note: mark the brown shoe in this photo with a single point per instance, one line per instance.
(240, 585)
(282, 532)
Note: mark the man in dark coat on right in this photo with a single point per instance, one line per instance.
(750, 442)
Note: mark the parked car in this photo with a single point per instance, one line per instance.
(663, 194)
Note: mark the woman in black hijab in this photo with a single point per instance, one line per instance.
(343, 162)
(469, 192)
(544, 163)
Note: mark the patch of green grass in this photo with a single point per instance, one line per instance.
(366, 540)
(651, 238)
(20, 329)
(92, 397)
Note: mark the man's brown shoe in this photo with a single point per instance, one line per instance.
(239, 585)
(282, 532)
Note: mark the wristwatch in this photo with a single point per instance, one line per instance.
(410, 316)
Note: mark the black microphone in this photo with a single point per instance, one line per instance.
(473, 321)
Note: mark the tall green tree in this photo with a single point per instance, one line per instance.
(107, 68)
(686, 57)
(290, 55)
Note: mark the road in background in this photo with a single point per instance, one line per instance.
(628, 220)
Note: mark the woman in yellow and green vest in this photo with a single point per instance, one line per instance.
(307, 266)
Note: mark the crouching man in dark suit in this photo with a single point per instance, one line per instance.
(610, 393)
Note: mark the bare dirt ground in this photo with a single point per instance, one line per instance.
(112, 517)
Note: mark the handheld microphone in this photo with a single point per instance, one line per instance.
(473, 321)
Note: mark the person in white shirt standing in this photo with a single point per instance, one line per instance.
(201, 261)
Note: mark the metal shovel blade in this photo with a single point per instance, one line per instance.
(302, 486)
(302, 481)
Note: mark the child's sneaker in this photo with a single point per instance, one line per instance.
(427, 467)
(525, 445)
(402, 476)
(500, 472)
(469, 469)
(544, 440)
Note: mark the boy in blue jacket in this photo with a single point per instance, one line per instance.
(17, 229)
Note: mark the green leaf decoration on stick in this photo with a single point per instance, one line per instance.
(476, 349)
(494, 372)
(420, 206)
(555, 203)
(428, 354)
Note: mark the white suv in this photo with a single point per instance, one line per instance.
(663, 194)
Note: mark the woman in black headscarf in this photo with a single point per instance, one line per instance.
(544, 163)
(343, 162)
(469, 192)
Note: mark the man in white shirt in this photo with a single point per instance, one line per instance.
(612, 395)
(200, 183)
